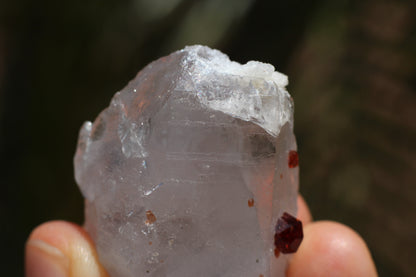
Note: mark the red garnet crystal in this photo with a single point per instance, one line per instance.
(289, 234)
(293, 159)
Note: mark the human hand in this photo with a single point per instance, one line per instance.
(58, 249)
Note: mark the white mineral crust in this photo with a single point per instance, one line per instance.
(168, 169)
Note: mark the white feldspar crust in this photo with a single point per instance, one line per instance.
(266, 101)
(191, 138)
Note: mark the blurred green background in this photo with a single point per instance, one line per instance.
(352, 72)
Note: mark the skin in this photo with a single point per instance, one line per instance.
(59, 248)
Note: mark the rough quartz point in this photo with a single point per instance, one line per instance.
(186, 172)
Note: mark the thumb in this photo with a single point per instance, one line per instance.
(61, 249)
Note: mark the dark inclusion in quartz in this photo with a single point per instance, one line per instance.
(293, 159)
(289, 234)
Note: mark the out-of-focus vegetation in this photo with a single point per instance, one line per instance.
(352, 69)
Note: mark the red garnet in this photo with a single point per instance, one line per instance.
(251, 202)
(289, 234)
(293, 159)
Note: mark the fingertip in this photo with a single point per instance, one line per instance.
(331, 249)
(60, 248)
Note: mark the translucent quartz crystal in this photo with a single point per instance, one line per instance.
(188, 170)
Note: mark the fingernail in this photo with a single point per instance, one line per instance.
(45, 260)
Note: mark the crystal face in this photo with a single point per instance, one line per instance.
(186, 172)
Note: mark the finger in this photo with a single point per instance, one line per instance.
(331, 249)
(303, 211)
(61, 249)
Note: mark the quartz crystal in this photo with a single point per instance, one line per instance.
(188, 170)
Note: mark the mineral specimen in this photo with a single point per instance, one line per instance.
(188, 170)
